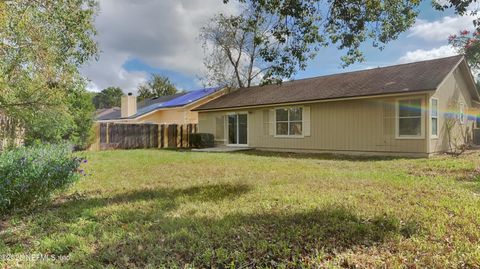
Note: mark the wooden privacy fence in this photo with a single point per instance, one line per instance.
(142, 135)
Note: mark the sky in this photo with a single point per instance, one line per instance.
(137, 38)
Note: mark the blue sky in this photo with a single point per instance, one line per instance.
(327, 62)
(162, 37)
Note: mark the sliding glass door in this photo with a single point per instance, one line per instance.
(237, 129)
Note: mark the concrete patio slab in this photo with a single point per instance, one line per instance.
(222, 149)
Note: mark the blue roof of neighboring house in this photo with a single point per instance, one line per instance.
(171, 101)
(190, 97)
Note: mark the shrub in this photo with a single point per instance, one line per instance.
(201, 140)
(30, 175)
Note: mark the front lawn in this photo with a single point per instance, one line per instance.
(159, 208)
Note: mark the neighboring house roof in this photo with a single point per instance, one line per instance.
(164, 102)
(152, 104)
(107, 113)
(403, 78)
(151, 101)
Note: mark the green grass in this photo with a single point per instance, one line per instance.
(158, 208)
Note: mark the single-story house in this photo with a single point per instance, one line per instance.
(172, 109)
(405, 109)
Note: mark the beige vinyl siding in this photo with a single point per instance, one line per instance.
(362, 125)
(453, 91)
(171, 116)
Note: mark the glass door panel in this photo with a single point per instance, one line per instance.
(232, 129)
(242, 129)
(237, 129)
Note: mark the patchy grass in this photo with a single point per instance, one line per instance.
(153, 208)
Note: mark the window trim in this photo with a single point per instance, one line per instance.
(431, 117)
(275, 122)
(422, 118)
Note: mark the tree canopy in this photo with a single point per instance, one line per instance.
(240, 50)
(286, 34)
(156, 86)
(108, 97)
(42, 45)
(468, 44)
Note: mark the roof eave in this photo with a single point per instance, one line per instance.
(319, 100)
(471, 80)
(473, 86)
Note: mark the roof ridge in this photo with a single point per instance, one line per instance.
(370, 69)
(407, 78)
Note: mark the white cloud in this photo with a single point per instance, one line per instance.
(108, 71)
(439, 30)
(442, 2)
(421, 54)
(161, 33)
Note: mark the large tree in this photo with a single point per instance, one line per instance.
(42, 45)
(156, 86)
(108, 97)
(468, 44)
(241, 51)
(287, 33)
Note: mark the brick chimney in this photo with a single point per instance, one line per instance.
(129, 105)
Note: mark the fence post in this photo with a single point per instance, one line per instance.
(181, 136)
(187, 135)
(107, 133)
(95, 146)
(175, 135)
(162, 136)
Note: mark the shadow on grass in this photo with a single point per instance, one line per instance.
(318, 156)
(70, 207)
(155, 235)
(248, 240)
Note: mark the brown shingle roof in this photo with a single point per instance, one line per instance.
(411, 77)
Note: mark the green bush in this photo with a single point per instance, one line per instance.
(71, 121)
(30, 175)
(201, 140)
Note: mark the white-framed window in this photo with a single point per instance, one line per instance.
(461, 115)
(434, 117)
(410, 117)
(289, 121)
